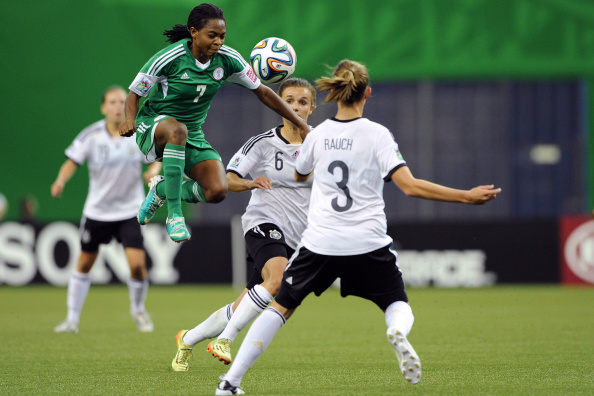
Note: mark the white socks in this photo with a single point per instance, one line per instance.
(211, 327)
(400, 316)
(137, 290)
(255, 343)
(254, 302)
(78, 288)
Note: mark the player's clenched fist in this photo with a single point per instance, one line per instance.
(127, 128)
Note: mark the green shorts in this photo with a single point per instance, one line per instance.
(145, 139)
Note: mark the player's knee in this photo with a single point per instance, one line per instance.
(137, 271)
(84, 268)
(178, 135)
(215, 195)
(273, 285)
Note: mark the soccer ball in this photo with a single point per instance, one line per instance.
(273, 60)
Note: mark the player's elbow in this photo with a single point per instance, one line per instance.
(410, 190)
(301, 178)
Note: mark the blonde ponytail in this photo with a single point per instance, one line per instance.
(347, 84)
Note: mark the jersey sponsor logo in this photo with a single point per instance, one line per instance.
(398, 154)
(275, 234)
(236, 162)
(143, 85)
(296, 154)
(142, 128)
(289, 280)
(185, 76)
(218, 73)
(257, 229)
(250, 74)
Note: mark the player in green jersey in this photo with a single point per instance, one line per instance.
(179, 83)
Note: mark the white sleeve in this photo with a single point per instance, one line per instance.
(143, 83)
(246, 78)
(388, 154)
(244, 161)
(305, 161)
(79, 149)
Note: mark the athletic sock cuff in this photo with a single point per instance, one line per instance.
(260, 297)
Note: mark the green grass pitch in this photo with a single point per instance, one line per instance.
(505, 340)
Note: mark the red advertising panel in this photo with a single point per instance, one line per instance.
(577, 250)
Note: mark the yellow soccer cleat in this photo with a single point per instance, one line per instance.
(221, 349)
(181, 361)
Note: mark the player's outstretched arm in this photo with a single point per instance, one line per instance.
(128, 127)
(237, 184)
(272, 100)
(66, 172)
(419, 188)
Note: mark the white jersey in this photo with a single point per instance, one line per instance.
(285, 205)
(351, 160)
(115, 182)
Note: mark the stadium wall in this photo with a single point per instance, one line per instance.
(442, 254)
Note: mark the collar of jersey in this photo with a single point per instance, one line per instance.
(199, 65)
(352, 119)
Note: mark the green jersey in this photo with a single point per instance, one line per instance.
(179, 86)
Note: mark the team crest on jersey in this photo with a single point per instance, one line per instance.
(275, 234)
(218, 73)
(143, 85)
(236, 162)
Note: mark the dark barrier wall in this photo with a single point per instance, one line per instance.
(58, 56)
(440, 254)
(514, 252)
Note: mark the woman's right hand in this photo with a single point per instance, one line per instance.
(57, 189)
(127, 128)
(262, 183)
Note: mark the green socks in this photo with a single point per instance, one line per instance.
(191, 192)
(174, 158)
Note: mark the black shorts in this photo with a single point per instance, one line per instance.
(264, 242)
(94, 233)
(374, 276)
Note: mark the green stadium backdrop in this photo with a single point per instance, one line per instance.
(58, 56)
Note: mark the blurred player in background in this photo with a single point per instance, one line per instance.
(115, 191)
(273, 223)
(29, 207)
(180, 83)
(346, 236)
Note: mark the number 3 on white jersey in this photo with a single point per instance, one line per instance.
(342, 185)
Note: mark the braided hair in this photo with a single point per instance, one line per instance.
(197, 19)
